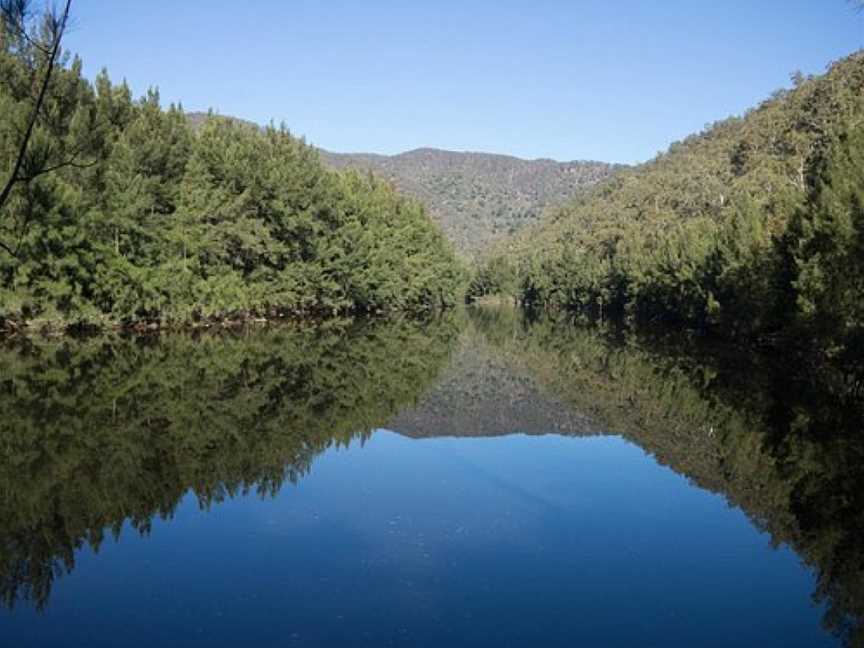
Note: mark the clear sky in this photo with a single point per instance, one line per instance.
(570, 79)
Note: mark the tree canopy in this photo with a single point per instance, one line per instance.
(122, 213)
(750, 228)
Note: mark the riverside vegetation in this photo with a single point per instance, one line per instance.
(753, 229)
(118, 213)
(121, 213)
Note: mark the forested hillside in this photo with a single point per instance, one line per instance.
(754, 227)
(118, 212)
(478, 198)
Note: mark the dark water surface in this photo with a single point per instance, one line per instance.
(470, 481)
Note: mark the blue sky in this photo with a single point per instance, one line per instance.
(609, 80)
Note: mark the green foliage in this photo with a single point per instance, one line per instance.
(727, 230)
(154, 221)
(826, 242)
(479, 198)
(497, 276)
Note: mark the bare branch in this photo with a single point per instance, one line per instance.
(19, 27)
(16, 12)
(71, 162)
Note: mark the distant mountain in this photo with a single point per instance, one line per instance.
(474, 197)
(478, 197)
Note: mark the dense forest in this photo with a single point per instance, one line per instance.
(117, 211)
(125, 215)
(753, 228)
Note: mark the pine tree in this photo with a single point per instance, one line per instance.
(827, 241)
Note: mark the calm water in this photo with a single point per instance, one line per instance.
(475, 480)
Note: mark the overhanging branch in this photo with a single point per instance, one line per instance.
(14, 177)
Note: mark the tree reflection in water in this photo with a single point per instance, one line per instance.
(102, 432)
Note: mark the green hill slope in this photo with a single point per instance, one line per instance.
(478, 198)
(156, 220)
(753, 225)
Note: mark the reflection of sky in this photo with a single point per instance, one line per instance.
(515, 540)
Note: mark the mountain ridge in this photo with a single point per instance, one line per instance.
(465, 152)
(477, 198)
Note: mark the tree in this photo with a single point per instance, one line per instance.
(36, 42)
(827, 241)
(120, 211)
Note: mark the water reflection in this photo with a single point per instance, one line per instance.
(778, 437)
(100, 433)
